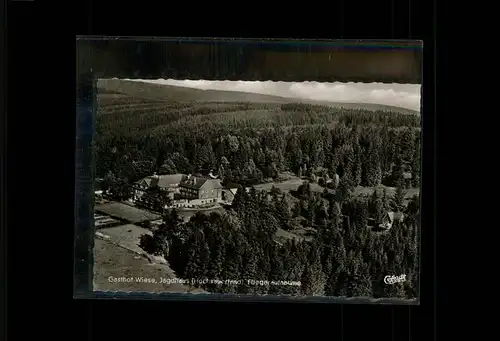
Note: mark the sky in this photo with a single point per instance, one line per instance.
(400, 95)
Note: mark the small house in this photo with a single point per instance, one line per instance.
(389, 219)
(229, 191)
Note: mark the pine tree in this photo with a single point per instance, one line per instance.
(268, 225)
(361, 213)
(172, 225)
(217, 253)
(283, 212)
(320, 214)
(377, 173)
(331, 270)
(297, 209)
(386, 204)
(250, 270)
(313, 279)
(198, 257)
(304, 191)
(398, 199)
(277, 272)
(397, 175)
(358, 172)
(240, 200)
(334, 213)
(232, 266)
(292, 267)
(360, 283)
(311, 211)
(280, 160)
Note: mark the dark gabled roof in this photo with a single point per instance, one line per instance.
(161, 181)
(193, 182)
(170, 180)
(229, 192)
(197, 182)
(395, 216)
(231, 185)
(216, 182)
(149, 181)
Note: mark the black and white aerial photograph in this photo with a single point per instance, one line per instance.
(257, 188)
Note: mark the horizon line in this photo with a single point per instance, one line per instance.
(407, 96)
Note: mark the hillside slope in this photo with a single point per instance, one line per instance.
(166, 93)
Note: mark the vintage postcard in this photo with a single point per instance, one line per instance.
(285, 189)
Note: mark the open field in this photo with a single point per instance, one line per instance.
(127, 236)
(125, 212)
(304, 233)
(294, 183)
(112, 260)
(159, 92)
(288, 185)
(283, 236)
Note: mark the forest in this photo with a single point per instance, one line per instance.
(249, 143)
(343, 259)
(254, 143)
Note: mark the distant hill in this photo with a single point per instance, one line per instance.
(163, 92)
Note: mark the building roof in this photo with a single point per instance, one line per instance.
(162, 181)
(395, 216)
(229, 193)
(170, 180)
(406, 175)
(231, 185)
(197, 182)
(193, 182)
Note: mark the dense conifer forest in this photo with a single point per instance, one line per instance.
(254, 143)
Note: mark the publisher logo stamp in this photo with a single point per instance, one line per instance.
(394, 279)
